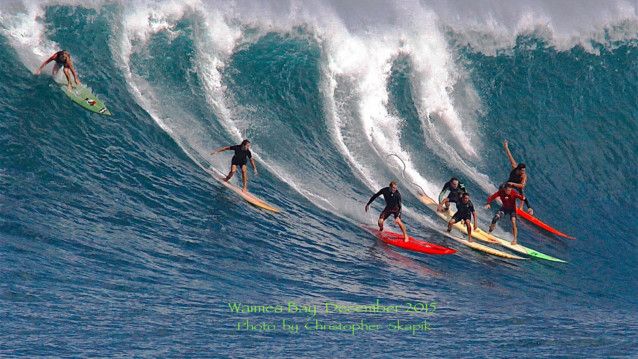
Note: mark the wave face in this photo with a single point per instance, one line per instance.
(116, 241)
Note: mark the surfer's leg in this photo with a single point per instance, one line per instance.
(244, 177)
(398, 221)
(445, 205)
(233, 169)
(455, 218)
(469, 230)
(450, 224)
(382, 217)
(68, 78)
(496, 218)
(380, 223)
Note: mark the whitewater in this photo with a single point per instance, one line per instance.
(116, 241)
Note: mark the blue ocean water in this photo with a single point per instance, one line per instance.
(115, 241)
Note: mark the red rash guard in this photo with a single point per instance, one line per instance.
(509, 201)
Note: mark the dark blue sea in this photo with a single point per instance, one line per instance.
(115, 241)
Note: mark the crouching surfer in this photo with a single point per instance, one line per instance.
(464, 212)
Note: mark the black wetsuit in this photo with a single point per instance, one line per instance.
(518, 178)
(241, 156)
(392, 202)
(455, 194)
(463, 211)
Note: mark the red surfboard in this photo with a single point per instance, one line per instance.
(528, 217)
(415, 245)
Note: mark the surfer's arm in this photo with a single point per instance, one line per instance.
(509, 154)
(490, 199)
(524, 199)
(442, 194)
(37, 72)
(252, 163)
(516, 185)
(521, 185)
(221, 149)
(373, 198)
(474, 215)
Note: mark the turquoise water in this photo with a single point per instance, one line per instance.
(116, 242)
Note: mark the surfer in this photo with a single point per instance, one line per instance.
(242, 154)
(456, 189)
(464, 212)
(518, 177)
(508, 196)
(392, 199)
(62, 59)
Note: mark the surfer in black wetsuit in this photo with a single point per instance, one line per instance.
(62, 59)
(242, 154)
(464, 212)
(392, 199)
(518, 177)
(456, 189)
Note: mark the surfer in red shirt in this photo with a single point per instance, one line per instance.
(62, 59)
(508, 197)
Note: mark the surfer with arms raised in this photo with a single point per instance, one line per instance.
(518, 176)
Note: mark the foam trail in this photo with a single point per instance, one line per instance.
(435, 76)
(137, 28)
(491, 26)
(366, 61)
(215, 41)
(216, 44)
(22, 24)
(372, 67)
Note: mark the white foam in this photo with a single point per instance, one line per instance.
(22, 24)
(490, 26)
(360, 41)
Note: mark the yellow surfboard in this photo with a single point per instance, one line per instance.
(429, 202)
(247, 196)
(483, 248)
(481, 235)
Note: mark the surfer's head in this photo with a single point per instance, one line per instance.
(245, 144)
(465, 197)
(393, 186)
(505, 188)
(454, 182)
(64, 55)
(520, 168)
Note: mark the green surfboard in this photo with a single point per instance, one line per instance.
(84, 97)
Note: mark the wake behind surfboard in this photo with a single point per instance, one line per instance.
(247, 196)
